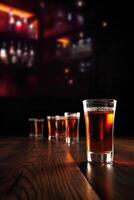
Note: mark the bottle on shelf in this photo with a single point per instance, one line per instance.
(18, 27)
(11, 22)
(32, 33)
(16, 55)
(25, 27)
(31, 59)
(25, 56)
(3, 54)
(12, 54)
(19, 53)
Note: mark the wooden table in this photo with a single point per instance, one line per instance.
(31, 170)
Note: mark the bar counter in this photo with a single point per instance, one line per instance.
(32, 170)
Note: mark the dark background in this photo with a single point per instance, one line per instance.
(45, 89)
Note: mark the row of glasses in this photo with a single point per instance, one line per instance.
(99, 121)
(64, 128)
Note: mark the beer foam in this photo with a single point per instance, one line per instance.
(72, 115)
(99, 109)
(60, 117)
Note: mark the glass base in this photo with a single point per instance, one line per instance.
(71, 140)
(100, 158)
(61, 137)
(35, 136)
(52, 138)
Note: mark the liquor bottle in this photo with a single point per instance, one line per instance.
(25, 56)
(12, 54)
(11, 22)
(3, 54)
(25, 27)
(31, 59)
(32, 31)
(18, 27)
(19, 53)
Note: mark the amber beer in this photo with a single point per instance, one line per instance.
(100, 131)
(31, 127)
(39, 126)
(60, 128)
(72, 127)
(99, 120)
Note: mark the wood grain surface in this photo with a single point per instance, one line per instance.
(111, 182)
(32, 170)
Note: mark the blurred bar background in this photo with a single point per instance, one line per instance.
(54, 54)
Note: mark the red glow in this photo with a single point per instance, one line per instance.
(18, 26)
(62, 29)
(4, 22)
(124, 162)
(7, 88)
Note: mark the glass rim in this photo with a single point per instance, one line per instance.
(39, 119)
(66, 114)
(99, 100)
(58, 117)
(35, 119)
(51, 117)
(31, 119)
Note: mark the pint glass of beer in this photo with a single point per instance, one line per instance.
(36, 127)
(60, 128)
(99, 120)
(52, 134)
(39, 126)
(31, 127)
(72, 126)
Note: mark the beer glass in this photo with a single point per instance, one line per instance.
(99, 120)
(39, 126)
(31, 127)
(52, 135)
(72, 126)
(60, 128)
(36, 128)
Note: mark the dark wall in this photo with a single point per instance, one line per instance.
(114, 76)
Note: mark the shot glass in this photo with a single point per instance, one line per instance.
(72, 126)
(60, 128)
(52, 134)
(99, 121)
(36, 128)
(31, 127)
